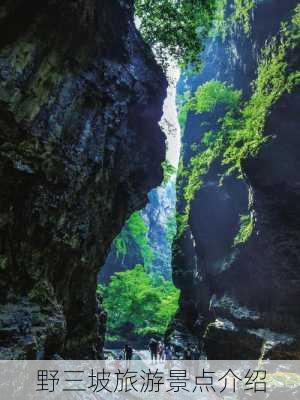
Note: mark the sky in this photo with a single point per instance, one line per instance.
(169, 122)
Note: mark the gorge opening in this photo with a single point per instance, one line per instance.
(135, 283)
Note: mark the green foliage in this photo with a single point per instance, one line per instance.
(239, 15)
(183, 106)
(171, 228)
(135, 231)
(169, 171)
(121, 246)
(213, 93)
(245, 131)
(176, 27)
(239, 133)
(219, 24)
(207, 97)
(294, 29)
(145, 303)
(194, 147)
(182, 220)
(139, 232)
(246, 229)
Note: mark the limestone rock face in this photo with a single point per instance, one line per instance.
(80, 148)
(242, 301)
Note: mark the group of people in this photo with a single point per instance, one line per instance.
(191, 352)
(160, 351)
(126, 353)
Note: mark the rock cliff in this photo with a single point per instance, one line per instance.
(239, 280)
(80, 148)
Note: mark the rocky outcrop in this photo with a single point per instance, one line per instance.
(241, 300)
(80, 148)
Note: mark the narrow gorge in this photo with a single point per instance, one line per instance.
(149, 177)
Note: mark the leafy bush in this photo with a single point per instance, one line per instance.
(245, 231)
(213, 93)
(135, 299)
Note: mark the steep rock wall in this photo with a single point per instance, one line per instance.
(240, 301)
(80, 148)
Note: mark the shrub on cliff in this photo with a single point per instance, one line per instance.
(239, 132)
(135, 231)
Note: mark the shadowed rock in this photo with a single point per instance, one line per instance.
(80, 148)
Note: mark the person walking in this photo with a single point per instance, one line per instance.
(153, 347)
(196, 354)
(161, 352)
(127, 352)
(168, 352)
(188, 353)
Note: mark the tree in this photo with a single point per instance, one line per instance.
(176, 27)
(144, 302)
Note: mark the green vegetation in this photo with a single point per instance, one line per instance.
(169, 171)
(180, 27)
(246, 229)
(239, 132)
(121, 246)
(138, 303)
(183, 106)
(176, 27)
(207, 98)
(171, 228)
(135, 231)
(213, 93)
(239, 16)
(245, 131)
